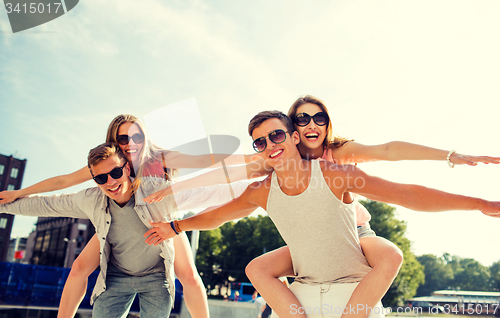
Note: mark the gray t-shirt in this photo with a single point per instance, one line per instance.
(129, 251)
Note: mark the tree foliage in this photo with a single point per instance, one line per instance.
(224, 252)
(495, 276)
(438, 275)
(455, 272)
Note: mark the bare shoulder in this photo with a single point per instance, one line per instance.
(332, 169)
(345, 152)
(341, 177)
(258, 192)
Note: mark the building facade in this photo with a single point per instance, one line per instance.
(57, 241)
(11, 177)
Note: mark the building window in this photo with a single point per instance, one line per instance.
(3, 223)
(11, 187)
(2, 168)
(14, 172)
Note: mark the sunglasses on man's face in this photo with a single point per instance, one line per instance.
(277, 136)
(303, 119)
(116, 174)
(125, 139)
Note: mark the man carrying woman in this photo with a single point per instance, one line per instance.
(305, 200)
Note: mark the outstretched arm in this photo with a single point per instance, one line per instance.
(51, 184)
(414, 197)
(206, 220)
(76, 205)
(221, 175)
(175, 159)
(354, 152)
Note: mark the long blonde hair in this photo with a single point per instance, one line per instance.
(150, 153)
(332, 140)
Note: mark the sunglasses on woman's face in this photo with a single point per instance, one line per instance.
(116, 173)
(277, 136)
(303, 119)
(125, 139)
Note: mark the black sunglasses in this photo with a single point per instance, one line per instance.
(124, 139)
(277, 136)
(303, 119)
(116, 173)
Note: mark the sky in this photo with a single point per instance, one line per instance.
(423, 71)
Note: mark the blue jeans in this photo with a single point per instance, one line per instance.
(116, 300)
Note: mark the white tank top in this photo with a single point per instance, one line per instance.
(320, 231)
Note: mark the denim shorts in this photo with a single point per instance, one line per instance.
(365, 231)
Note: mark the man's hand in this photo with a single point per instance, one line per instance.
(158, 196)
(160, 232)
(491, 208)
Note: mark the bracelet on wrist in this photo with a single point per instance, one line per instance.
(450, 164)
(174, 227)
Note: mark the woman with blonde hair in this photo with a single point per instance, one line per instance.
(152, 164)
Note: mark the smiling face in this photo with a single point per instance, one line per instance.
(277, 154)
(119, 189)
(311, 136)
(131, 150)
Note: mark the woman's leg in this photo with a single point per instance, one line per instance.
(185, 270)
(76, 284)
(386, 259)
(264, 271)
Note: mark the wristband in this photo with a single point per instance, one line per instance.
(174, 227)
(450, 164)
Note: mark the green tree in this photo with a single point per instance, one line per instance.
(469, 274)
(245, 240)
(223, 253)
(495, 276)
(411, 275)
(438, 274)
(209, 258)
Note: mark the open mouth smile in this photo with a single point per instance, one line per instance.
(312, 136)
(276, 153)
(115, 189)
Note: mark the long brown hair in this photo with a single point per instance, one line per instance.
(149, 153)
(332, 140)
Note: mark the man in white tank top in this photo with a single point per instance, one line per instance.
(304, 200)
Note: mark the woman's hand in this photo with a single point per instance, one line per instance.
(491, 208)
(159, 195)
(160, 232)
(9, 196)
(460, 159)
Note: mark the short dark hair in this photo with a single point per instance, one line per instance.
(261, 117)
(102, 152)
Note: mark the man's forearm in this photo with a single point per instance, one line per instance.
(201, 222)
(216, 216)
